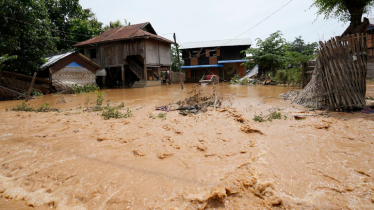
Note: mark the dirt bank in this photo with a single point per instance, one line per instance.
(217, 160)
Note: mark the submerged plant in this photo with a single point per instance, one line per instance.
(47, 108)
(100, 98)
(35, 92)
(122, 105)
(23, 107)
(258, 118)
(162, 115)
(275, 116)
(112, 112)
(75, 88)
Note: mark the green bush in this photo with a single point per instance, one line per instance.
(289, 76)
(75, 88)
(100, 98)
(47, 108)
(27, 108)
(35, 92)
(112, 112)
(162, 115)
(23, 107)
(275, 116)
(235, 79)
(258, 118)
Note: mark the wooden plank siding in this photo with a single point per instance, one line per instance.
(135, 47)
(156, 52)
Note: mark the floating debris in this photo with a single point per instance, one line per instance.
(194, 104)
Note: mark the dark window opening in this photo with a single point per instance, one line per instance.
(92, 53)
(194, 54)
(193, 73)
(212, 53)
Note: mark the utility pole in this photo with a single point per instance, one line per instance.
(179, 63)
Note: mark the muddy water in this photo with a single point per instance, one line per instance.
(77, 160)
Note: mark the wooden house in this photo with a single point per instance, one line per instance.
(130, 53)
(70, 68)
(222, 58)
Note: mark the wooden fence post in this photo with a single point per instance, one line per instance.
(31, 85)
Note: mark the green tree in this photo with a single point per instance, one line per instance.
(83, 29)
(113, 24)
(345, 10)
(174, 59)
(71, 23)
(4, 58)
(299, 46)
(269, 54)
(116, 24)
(25, 31)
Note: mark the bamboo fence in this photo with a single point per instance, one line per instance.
(338, 81)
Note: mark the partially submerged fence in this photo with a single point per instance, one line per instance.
(338, 81)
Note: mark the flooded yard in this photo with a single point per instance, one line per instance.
(220, 159)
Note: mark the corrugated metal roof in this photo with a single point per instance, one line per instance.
(122, 33)
(54, 59)
(202, 66)
(217, 43)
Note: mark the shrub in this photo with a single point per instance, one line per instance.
(47, 108)
(258, 118)
(100, 98)
(235, 79)
(75, 88)
(35, 92)
(275, 116)
(162, 115)
(23, 107)
(112, 112)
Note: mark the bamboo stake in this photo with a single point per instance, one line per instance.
(31, 85)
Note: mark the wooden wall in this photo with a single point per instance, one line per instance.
(158, 53)
(135, 47)
(115, 53)
(165, 54)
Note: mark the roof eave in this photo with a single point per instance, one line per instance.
(123, 39)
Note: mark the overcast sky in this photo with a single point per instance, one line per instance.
(204, 20)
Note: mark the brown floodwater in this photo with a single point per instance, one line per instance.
(220, 159)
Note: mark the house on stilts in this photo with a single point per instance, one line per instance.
(132, 54)
(223, 58)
